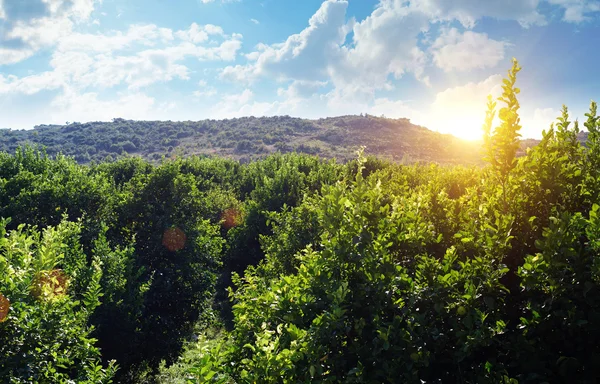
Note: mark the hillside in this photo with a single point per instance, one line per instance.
(247, 138)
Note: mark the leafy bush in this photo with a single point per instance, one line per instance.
(48, 295)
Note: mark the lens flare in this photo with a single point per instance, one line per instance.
(174, 239)
(4, 308)
(49, 285)
(231, 218)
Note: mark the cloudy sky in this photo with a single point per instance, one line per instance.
(433, 61)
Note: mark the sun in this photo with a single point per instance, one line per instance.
(468, 129)
(460, 114)
(464, 127)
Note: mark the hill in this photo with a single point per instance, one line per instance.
(247, 138)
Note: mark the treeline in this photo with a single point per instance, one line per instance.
(244, 139)
(296, 269)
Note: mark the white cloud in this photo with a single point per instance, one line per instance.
(2, 12)
(387, 42)
(526, 12)
(384, 44)
(453, 51)
(74, 106)
(199, 33)
(318, 52)
(396, 109)
(307, 55)
(239, 99)
(255, 21)
(205, 90)
(27, 31)
(469, 11)
(12, 56)
(533, 125)
(231, 105)
(208, 92)
(238, 74)
(244, 104)
(252, 56)
(228, 49)
(35, 34)
(301, 89)
(83, 66)
(29, 85)
(146, 35)
(82, 9)
(577, 11)
(143, 69)
(303, 56)
(142, 56)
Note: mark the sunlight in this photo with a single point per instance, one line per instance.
(467, 127)
(460, 111)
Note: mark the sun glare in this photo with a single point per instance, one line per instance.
(463, 127)
(461, 111)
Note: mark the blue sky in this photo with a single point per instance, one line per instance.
(433, 61)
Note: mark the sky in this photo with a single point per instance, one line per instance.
(432, 61)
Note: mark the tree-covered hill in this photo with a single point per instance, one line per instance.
(246, 138)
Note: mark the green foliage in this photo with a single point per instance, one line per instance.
(38, 190)
(124, 287)
(362, 308)
(162, 207)
(272, 185)
(46, 337)
(592, 155)
(561, 283)
(502, 144)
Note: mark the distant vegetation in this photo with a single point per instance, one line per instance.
(247, 138)
(298, 269)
